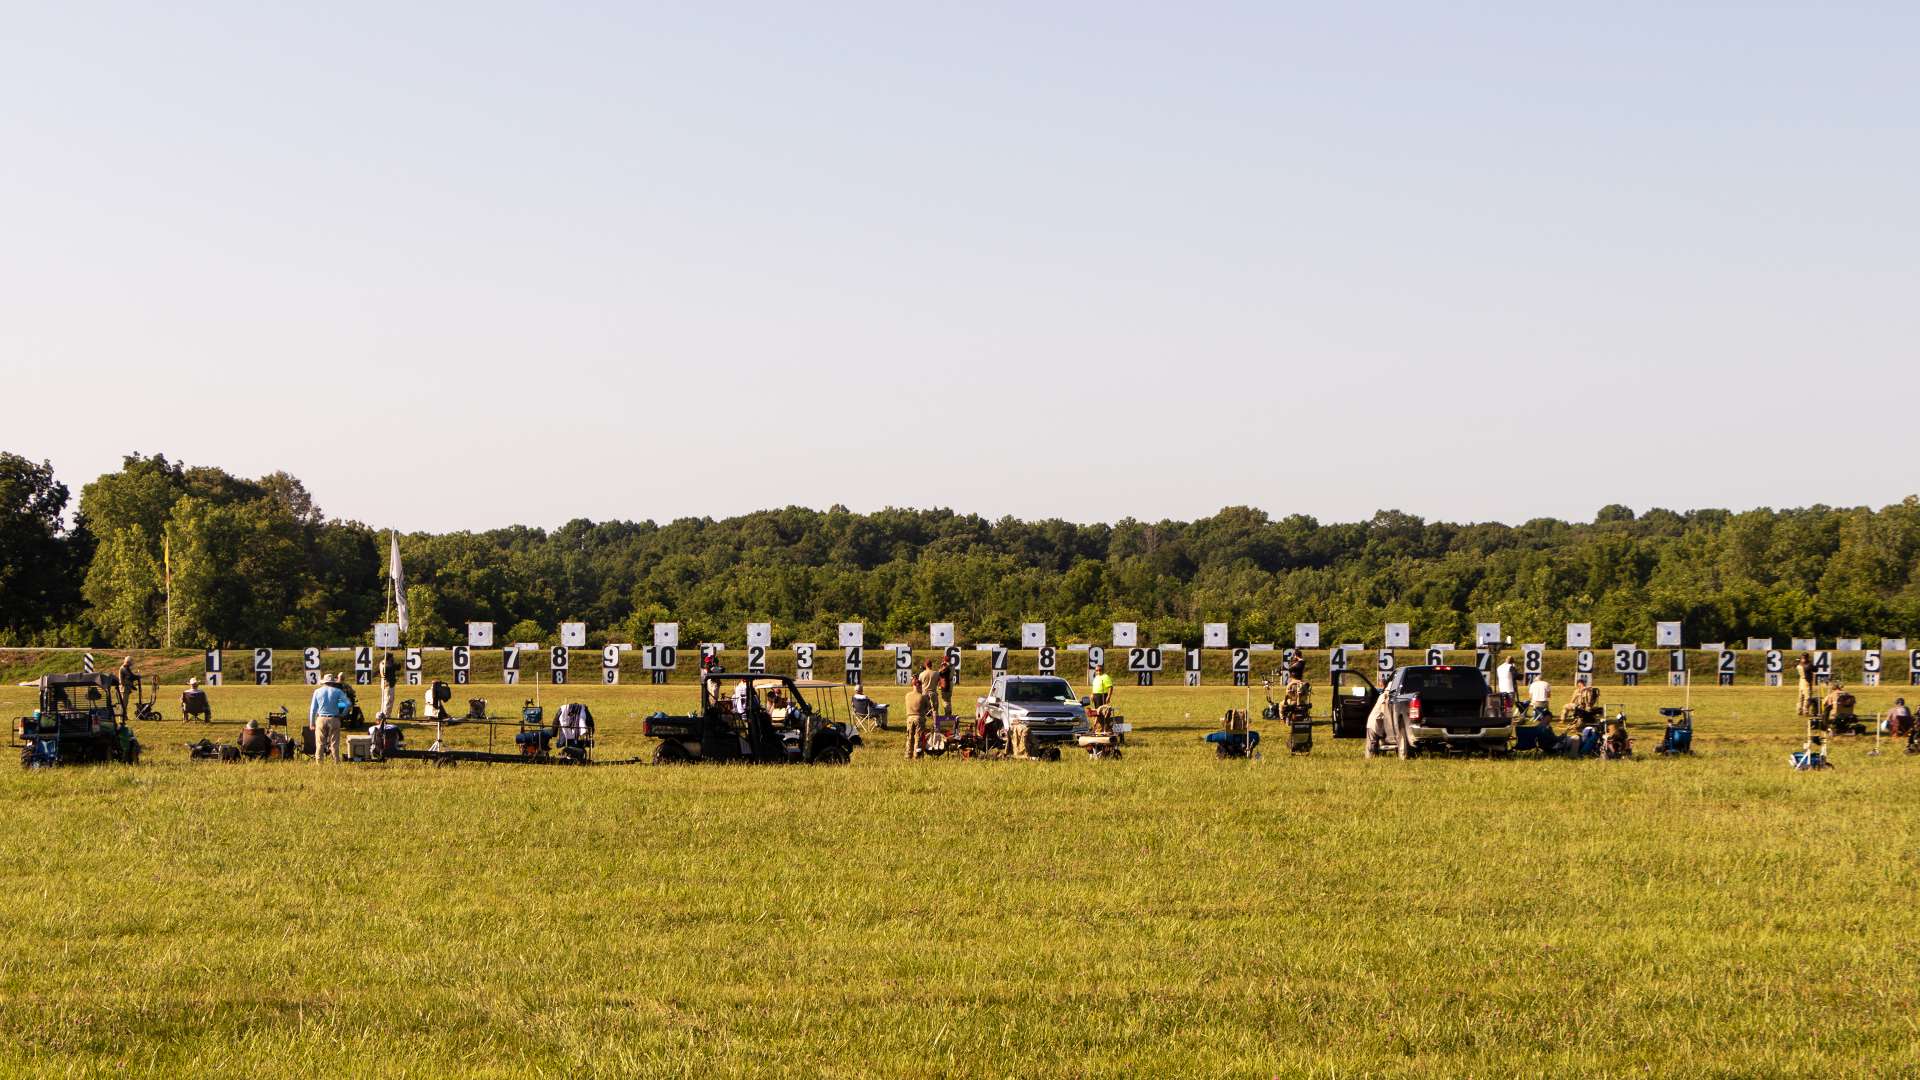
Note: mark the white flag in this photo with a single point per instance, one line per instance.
(399, 585)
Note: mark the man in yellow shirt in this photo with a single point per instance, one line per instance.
(1102, 688)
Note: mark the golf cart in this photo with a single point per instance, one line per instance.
(82, 718)
(758, 718)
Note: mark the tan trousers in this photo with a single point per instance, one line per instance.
(1806, 699)
(326, 737)
(386, 700)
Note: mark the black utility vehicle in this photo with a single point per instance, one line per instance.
(758, 718)
(82, 718)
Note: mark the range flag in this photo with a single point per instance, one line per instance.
(399, 585)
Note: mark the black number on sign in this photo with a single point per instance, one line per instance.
(1047, 657)
(413, 659)
(310, 659)
(1676, 660)
(1822, 663)
(1727, 661)
(1385, 663)
(1193, 660)
(1096, 656)
(1623, 660)
(1871, 661)
(610, 675)
(756, 658)
(1336, 659)
(1583, 661)
(854, 660)
(509, 676)
(213, 661)
(462, 658)
(510, 660)
(557, 658)
(903, 659)
(263, 659)
(1532, 659)
(999, 659)
(1242, 660)
(1913, 660)
(953, 660)
(363, 658)
(1776, 663)
(803, 657)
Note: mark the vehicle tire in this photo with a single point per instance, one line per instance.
(29, 759)
(834, 754)
(671, 753)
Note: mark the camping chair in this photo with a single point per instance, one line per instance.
(1236, 737)
(867, 711)
(1678, 738)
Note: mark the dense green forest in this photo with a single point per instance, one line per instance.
(255, 562)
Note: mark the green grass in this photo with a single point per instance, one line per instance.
(1163, 915)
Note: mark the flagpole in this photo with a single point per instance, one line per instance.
(166, 562)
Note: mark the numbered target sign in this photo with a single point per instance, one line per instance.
(1125, 635)
(1242, 661)
(557, 661)
(1666, 635)
(310, 665)
(666, 657)
(1192, 658)
(1336, 659)
(413, 667)
(940, 634)
(1579, 635)
(1870, 667)
(363, 665)
(1483, 659)
(1822, 666)
(666, 635)
(997, 658)
(1033, 635)
(1306, 635)
(759, 633)
(212, 667)
(1049, 659)
(1399, 635)
(262, 667)
(1776, 661)
(756, 659)
(1629, 662)
(803, 658)
(1583, 666)
(1384, 663)
(386, 635)
(1533, 659)
(1913, 667)
(480, 635)
(510, 666)
(1143, 658)
(1486, 633)
(1724, 661)
(1214, 636)
(1096, 657)
(609, 665)
(854, 658)
(852, 635)
(902, 664)
(953, 656)
(462, 664)
(1437, 654)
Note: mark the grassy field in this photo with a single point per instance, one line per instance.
(1163, 915)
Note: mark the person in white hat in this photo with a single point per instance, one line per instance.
(325, 713)
(193, 702)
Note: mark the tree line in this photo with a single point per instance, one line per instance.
(256, 562)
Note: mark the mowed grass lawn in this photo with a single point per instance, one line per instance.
(1164, 915)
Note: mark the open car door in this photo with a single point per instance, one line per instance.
(1353, 698)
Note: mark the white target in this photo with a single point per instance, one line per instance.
(759, 633)
(1033, 635)
(1486, 633)
(1666, 635)
(1214, 636)
(1306, 635)
(1125, 635)
(940, 634)
(573, 635)
(480, 635)
(852, 635)
(386, 635)
(1579, 635)
(666, 635)
(1399, 635)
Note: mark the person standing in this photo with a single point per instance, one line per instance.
(389, 680)
(1804, 668)
(127, 681)
(1101, 687)
(325, 713)
(919, 704)
(944, 682)
(1504, 681)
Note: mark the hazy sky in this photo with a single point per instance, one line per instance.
(462, 265)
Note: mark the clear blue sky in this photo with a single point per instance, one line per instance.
(460, 265)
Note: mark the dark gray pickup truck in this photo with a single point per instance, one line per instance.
(1446, 708)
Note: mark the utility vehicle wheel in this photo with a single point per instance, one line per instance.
(1220, 750)
(671, 753)
(29, 759)
(832, 755)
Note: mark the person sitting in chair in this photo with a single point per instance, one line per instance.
(1837, 709)
(253, 740)
(1898, 721)
(193, 703)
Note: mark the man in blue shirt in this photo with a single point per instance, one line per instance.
(330, 705)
